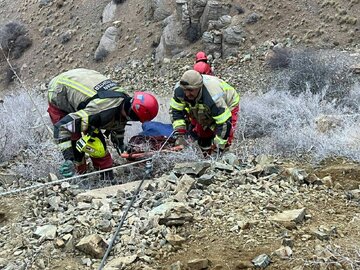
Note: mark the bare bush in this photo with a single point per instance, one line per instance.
(14, 39)
(278, 57)
(10, 74)
(279, 123)
(326, 72)
(284, 121)
(24, 138)
(166, 161)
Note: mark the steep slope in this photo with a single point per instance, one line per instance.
(65, 34)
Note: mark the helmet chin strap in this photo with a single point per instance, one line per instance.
(126, 110)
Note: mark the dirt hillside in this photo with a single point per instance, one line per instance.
(65, 34)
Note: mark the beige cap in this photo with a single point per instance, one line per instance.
(191, 79)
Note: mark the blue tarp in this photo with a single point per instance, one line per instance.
(153, 128)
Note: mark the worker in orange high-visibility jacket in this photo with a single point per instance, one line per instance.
(83, 101)
(205, 107)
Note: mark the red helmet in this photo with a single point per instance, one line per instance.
(145, 106)
(200, 56)
(203, 68)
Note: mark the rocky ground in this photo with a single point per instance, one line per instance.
(229, 214)
(203, 215)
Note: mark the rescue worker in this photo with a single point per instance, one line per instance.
(206, 108)
(201, 64)
(83, 101)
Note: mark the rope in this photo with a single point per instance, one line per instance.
(68, 179)
(15, 191)
(121, 223)
(122, 220)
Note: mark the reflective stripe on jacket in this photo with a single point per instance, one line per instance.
(212, 108)
(69, 89)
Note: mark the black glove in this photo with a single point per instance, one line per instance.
(118, 142)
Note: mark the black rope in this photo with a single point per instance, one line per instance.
(122, 220)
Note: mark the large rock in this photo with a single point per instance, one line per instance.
(224, 21)
(296, 215)
(185, 184)
(172, 40)
(172, 213)
(212, 41)
(162, 9)
(107, 43)
(198, 264)
(46, 232)
(93, 245)
(109, 12)
(233, 36)
(192, 168)
(105, 192)
(212, 12)
(179, 6)
(197, 8)
(120, 262)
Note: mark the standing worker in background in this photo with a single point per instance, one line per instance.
(201, 64)
(81, 103)
(205, 107)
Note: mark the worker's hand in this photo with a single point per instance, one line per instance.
(122, 148)
(181, 140)
(67, 169)
(180, 137)
(118, 142)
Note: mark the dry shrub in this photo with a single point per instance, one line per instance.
(14, 39)
(278, 57)
(24, 140)
(320, 72)
(281, 124)
(10, 74)
(164, 162)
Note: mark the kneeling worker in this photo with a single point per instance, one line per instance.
(205, 107)
(81, 103)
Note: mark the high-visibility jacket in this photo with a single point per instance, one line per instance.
(72, 91)
(211, 109)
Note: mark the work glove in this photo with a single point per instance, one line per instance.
(219, 142)
(67, 169)
(180, 137)
(181, 140)
(118, 142)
